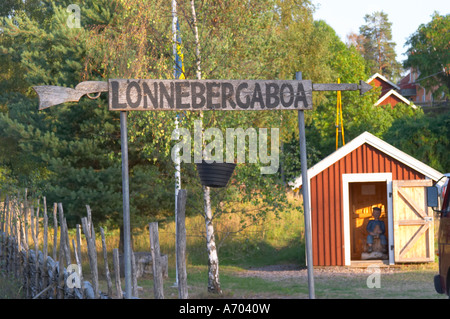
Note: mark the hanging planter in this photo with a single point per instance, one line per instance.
(215, 174)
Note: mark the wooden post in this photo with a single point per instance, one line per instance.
(30, 256)
(92, 253)
(79, 241)
(134, 285)
(35, 236)
(4, 214)
(44, 272)
(7, 244)
(54, 279)
(157, 273)
(25, 211)
(16, 234)
(80, 270)
(64, 233)
(181, 245)
(55, 232)
(60, 287)
(105, 258)
(19, 237)
(2, 234)
(89, 219)
(10, 251)
(4, 229)
(16, 242)
(117, 273)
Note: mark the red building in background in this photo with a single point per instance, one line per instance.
(390, 92)
(410, 88)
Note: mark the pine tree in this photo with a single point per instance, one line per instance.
(378, 49)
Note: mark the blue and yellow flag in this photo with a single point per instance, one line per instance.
(179, 67)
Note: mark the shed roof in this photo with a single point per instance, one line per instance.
(398, 95)
(377, 75)
(376, 142)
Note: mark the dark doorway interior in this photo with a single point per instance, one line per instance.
(363, 197)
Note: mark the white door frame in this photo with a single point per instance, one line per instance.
(358, 178)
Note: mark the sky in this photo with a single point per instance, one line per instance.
(346, 16)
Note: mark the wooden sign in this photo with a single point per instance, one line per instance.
(195, 95)
(50, 95)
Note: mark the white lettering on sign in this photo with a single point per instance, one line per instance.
(195, 95)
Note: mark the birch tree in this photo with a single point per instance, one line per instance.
(213, 258)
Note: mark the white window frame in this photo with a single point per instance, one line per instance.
(360, 178)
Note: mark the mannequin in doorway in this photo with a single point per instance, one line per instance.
(376, 229)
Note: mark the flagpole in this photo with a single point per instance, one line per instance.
(177, 158)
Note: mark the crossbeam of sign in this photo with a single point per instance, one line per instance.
(195, 95)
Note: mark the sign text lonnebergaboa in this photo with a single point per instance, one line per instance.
(195, 95)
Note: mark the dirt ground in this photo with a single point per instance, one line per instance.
(294, 271)
(394, 282)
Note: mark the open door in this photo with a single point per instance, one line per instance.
(363, 196)
(413, 222)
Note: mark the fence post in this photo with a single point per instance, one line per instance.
(35, 237)
(105, 258)
(45, 246)
(156, 261)
(134, 286)
(80, 271)
(64, 233)
(117, 273)
(55, 233)
(181, 245)
(92, 253)
(60, 286)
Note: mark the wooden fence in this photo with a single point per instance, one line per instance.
(58, 275)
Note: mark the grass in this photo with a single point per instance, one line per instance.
(406, 282)
(10, 288)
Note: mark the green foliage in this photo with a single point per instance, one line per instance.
(64, 152)
(359, 114)
(429, 52)
(424, 137)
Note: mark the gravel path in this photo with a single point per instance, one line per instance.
(294, 271)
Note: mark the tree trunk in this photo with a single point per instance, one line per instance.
(213, 258)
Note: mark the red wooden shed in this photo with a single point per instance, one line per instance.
(378, 80)
(365, 173)
(389, 91)
(393, 98)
